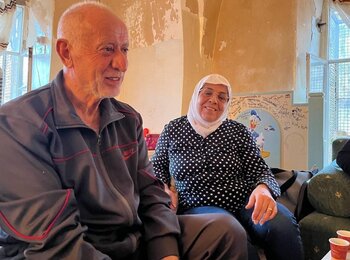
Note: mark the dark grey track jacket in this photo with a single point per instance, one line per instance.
(69, 193)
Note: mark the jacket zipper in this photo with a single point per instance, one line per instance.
(109, 183)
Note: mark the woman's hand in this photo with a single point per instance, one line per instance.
(173, 197)
(265, 207)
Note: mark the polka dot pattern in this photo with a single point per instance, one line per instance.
(219, 170)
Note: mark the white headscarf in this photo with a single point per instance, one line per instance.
(202, 127)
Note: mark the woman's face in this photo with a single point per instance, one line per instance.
(212, 101)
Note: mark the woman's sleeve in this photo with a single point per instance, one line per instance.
(343, 158)
(255, 167)
(160, 158)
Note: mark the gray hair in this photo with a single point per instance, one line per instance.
(72, 22)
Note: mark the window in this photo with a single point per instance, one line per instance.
(317, 74)
(339, 75)
(332, 78)
(19, 64)
(11, 61)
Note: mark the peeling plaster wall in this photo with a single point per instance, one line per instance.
(155, 77)
(200, 19)
(260, 46)
(308, 41)
(317, 44)
(149, 21)
(153, 83)
(255, 46)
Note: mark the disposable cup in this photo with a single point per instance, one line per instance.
(344, 234)
(339, 248)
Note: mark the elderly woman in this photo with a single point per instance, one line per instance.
(216, 167)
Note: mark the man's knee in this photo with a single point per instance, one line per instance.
(217, 235)
(230, 236)
(227, 227)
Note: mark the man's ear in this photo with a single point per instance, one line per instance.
(62, 49)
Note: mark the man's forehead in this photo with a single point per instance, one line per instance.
(114, 35)
(108, 27)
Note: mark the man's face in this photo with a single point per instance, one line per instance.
(100, 60)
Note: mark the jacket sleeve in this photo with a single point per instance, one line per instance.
(40, 217)
(161, 227)
(343, 158)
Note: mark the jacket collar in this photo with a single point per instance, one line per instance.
(64, 112)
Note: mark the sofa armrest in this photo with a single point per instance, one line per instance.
(329, 193)
(304, 207)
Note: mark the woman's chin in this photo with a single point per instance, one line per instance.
(210, 119)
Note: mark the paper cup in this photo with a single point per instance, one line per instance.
(339, 248)
(344, 234)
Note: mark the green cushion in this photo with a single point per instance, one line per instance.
(316, 228)
(329, 191)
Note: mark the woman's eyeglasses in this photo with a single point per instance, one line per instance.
(222, 97)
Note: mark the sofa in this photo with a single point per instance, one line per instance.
(328, 192)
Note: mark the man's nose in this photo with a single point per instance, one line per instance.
(120, 61)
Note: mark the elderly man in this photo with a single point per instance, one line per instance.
(76, 182)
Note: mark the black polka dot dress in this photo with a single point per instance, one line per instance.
(219, 170)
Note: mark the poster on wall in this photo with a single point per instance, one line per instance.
(266, 133)
(292, 122)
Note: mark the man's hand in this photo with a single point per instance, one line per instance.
(173, 196)
(265, 207)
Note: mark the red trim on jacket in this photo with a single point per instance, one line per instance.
(46, 232)
(58, 160)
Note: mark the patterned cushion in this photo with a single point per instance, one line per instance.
(329, 191)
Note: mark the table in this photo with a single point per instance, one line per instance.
(328, 256)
